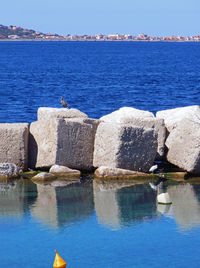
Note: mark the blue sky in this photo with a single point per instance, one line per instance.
(153, 17)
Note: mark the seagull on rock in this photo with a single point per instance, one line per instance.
(64, 103)
(153, 169)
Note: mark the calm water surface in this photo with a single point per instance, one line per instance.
(98, 225)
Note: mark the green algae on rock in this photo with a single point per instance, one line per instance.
(64, 172)
(109, 173)
(44, 176)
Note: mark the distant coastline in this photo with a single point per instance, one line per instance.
(74, 41)
(16, 33)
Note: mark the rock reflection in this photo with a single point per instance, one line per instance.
(59, 204)
(119, 204)
(164, 208)
(185, 205)
(106, 205)
(45, 207)
(14, 200)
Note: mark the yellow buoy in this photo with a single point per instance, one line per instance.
(59, 262)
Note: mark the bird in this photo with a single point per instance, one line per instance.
(64, 103)
(153, 169)
(157, 168)
(157, 185)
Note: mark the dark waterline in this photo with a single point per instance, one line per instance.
(96, 77)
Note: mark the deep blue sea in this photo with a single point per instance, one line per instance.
(96, 77)
(94, 225)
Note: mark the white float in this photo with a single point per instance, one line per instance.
(164, 198)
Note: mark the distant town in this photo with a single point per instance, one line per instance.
(14, 33)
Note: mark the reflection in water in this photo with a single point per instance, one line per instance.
(16, 197)
(106, 205)
(137, 203)
(185, 205)
(164, 208)
(63, 204)
(45, 207)
(118, 204)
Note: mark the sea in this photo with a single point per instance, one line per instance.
(96, 77)
(94, 224)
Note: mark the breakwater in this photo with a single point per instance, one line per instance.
(127, 139)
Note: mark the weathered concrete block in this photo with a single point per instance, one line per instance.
(66, 142)
(173, 116)
(125, 146)
(46, 113)
(184, 146)
(14, 144)
(43, 143)
(139, 118)
(75, 144)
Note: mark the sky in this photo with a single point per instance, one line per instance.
(152, 17)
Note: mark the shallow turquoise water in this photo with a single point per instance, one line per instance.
(98, 225)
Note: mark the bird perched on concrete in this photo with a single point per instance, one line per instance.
(64, 103)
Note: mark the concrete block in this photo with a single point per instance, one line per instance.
(43, 143)
(46, 113)
(173, 116)
(140, 118)
(184, 146)
(14, 144)
(66, 142)
(125, 146)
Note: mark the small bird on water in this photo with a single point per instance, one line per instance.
(64, 103)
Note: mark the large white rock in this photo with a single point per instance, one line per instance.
(173, 116)
(14, 144)
(184, 146)
(140, 118)
(64, 171)
(109, 172)
(66, 142)
(46, 113)
(125, 146)
(44, 176)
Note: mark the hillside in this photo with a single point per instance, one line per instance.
(15, 32)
